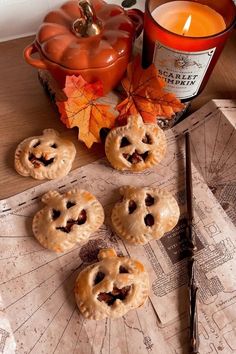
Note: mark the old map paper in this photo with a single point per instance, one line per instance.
(38, 312)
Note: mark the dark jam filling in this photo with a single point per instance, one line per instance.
(80, 221)
(70, 204)
(110, 298)
(124, 142)
(99, 277)
(149, 220)
(149, 200)
(147, 139)
(136, 157)
(55, 214)
(122, 269)
(132, 206)
(38, 161)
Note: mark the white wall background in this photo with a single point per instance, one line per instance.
(19, 18)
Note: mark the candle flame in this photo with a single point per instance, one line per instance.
(187, 25)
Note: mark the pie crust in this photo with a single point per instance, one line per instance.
(67, 219)
(144, 214)
(135, 146)
(111, 287)
(47, 156)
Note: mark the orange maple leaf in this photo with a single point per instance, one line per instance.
(146, 95)
(83, 111)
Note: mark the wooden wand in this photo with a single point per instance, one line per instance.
(193, 318)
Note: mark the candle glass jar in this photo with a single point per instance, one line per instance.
(185, 62)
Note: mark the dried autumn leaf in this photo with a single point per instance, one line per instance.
(82, 110)
(146, 95)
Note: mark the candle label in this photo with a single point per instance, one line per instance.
(182, 71)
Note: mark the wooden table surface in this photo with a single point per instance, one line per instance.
(25, 110)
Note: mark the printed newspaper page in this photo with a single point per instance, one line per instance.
(38, 310)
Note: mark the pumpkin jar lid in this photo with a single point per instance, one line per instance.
(83, 35)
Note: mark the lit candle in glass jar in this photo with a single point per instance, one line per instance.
(189, 18)
(184, 39)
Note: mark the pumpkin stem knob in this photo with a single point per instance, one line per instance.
(87, 25)
(106, 253)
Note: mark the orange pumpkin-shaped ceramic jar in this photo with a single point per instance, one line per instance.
(93, 39)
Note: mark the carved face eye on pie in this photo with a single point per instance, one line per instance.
(67, 219)
(135, 146)
(111, 287)
(144, 214)
(46, 156)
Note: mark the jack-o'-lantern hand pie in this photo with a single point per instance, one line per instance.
(67, 219)
(144, 214)
(47, 156)
(135, 146)
(111, 287)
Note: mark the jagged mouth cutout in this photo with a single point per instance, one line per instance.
(82, 218)
(117, 293)
(136, 157)
(41, 161)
